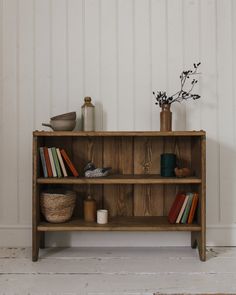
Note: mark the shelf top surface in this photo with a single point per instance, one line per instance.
(124, 223)
(119, 133)
(121, 179)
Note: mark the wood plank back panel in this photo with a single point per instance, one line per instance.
(148, 199)
(196, 155)
(181, 146)
(118, 154)
(86, 149)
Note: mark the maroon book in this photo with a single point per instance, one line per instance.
(176, 207)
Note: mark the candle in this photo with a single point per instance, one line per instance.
(102, 216)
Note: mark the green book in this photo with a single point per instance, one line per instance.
(56, 162)
(187, 208)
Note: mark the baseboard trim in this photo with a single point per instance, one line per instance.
(20, 236)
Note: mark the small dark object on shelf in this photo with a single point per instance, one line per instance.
(183, 172)
(92, 171)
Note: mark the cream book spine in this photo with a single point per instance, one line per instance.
(63, 168)
(182, 209)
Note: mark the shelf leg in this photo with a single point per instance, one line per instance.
(198, 240)
(201, 241)
(42, 240)
(193, 240)
(35, 245)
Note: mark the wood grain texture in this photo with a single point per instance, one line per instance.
(121, 179)
(84, 151)
(148, 199)
(119, 133)
(139, 223)
(118, 154)
(136, 197)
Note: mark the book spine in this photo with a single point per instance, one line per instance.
(48, 164)
(176, 207)
(182, 209)
(43, 161)
(56, 162)
(63, 168)
(187, 209)
(54, 173)
(193, 208)
(69, 163)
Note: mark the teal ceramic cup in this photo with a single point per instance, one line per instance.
(168, 164)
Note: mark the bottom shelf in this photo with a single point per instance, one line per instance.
(123, 223)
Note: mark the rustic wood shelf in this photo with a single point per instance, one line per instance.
(121, 179)
(124, 223)
(117, 133)
(136, 196)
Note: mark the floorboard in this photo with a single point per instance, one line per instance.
(116, 271)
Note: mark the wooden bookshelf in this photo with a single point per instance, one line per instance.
(136, 196)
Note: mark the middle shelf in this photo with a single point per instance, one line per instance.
(122, 179)
(122, 223)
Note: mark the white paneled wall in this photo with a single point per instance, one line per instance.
(55, 52)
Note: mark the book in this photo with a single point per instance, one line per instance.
(193, 208)
(69, 163)
(54, 173)
(43, 161)
(48, 164)
(56, 162)
(182, 209)
(187, 209)
(63, 168)
(176, 207)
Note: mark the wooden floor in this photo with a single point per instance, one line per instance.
(116, 271)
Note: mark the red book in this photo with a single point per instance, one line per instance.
(193, 208)
(48, 164)
(69, 163)
(176, 207)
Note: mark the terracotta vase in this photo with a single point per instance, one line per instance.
(165, 118)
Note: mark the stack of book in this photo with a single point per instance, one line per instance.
(184, 207)
(56, 163)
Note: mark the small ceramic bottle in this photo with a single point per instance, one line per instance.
(88, 115)
(90, 209)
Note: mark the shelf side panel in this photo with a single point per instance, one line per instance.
(118, 154)
(148, 199)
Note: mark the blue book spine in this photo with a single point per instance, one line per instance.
(45, 172)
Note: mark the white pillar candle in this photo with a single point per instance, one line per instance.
(102, 216)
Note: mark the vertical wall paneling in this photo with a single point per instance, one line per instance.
(1, 93)
(92, 50)
(175, 58)
(192, 55)
(42, 62)
(109, 63)
(209, 104)
(158, 55)
(55, 52)
(75, 55)
(226, 113)
(143, 94)
(59, 57)
(9, 180)
(26, 105)
(125, 62)
(233, 19)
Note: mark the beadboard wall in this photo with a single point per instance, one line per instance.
(55, 52)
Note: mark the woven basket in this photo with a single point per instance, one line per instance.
(57, 207)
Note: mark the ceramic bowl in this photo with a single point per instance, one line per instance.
(66, 116)
(61, 125)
